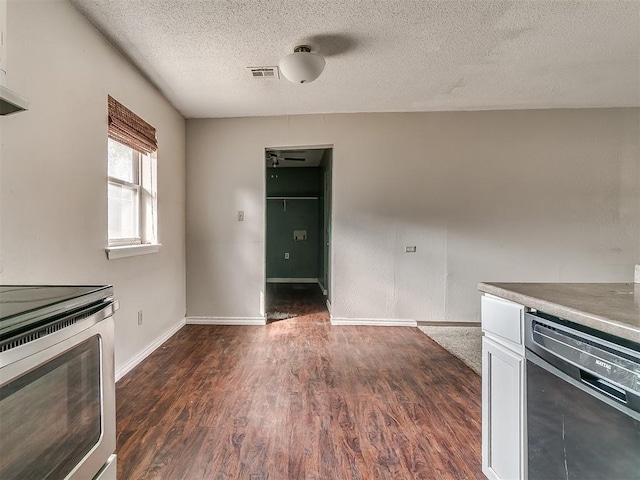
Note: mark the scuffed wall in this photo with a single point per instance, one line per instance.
(537, 195)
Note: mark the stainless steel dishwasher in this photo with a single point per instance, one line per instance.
(582, 402)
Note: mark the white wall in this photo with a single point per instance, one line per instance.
(53, 177)
(485, 196)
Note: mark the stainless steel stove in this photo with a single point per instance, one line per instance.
(57, 382)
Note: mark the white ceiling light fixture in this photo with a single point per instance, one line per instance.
(302, 66)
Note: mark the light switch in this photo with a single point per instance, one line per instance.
(410, 249)
(286, 256)
(241, 215)
(299, 235)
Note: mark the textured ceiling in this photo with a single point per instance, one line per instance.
(382, 55)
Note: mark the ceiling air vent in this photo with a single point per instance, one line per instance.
(264, 72)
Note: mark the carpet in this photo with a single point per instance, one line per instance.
(280, 315)
(463, 342)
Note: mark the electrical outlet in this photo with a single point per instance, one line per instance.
(286, 256)
(241, 215)
(411, 249)
(139, 317)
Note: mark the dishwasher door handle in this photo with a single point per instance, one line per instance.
(603, 386)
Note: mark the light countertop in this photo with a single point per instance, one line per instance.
(612, 308)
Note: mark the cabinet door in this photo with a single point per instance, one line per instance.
(502, 412)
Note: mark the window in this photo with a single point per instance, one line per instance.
(125, 195)
(131, 190)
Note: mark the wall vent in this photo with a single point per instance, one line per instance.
(264, 72)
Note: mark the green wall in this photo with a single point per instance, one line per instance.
(299, 215)
(294, 181)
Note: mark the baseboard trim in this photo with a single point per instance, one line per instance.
(149, 349)
(329, 306)
(292, 280)
(226, 321)
(423, 323)
(380, 322)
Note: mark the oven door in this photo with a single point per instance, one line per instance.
(57, 403)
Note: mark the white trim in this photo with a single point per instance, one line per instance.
(329, 305)
(263, 312)
(226, 321)
(292, 198)
(148, 350)
(382, 322)
(292, 280)
(325, 292)
(131, 250)
(444, 323)
(300, 147)
(124, 242)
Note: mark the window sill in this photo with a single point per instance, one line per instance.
(131, 250)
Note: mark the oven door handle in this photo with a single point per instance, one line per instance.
(588, 386)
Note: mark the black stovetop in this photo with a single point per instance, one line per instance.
(20, 304)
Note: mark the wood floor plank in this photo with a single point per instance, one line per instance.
(299, 399)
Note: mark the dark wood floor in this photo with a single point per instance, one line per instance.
(299, 399)
(295, 300)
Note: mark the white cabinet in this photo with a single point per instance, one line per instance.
(502, 406)
(503, 373)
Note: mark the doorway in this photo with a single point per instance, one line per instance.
(297, 231)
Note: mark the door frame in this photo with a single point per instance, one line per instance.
(263, 308)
